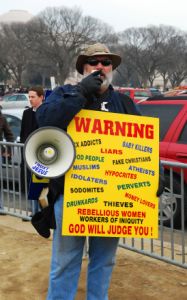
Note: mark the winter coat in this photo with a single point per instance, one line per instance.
(5, 131)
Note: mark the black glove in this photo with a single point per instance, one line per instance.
(161, 185)
(90, 85)
(44, 220)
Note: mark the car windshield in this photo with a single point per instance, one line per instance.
(21, 98)
(10, 98)
(17, 97)
(141, 94)
(165, 113)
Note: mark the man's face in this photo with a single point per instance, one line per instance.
(34, 99)
(102, 63)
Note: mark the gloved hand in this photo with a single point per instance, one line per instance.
(90, 85)
(161, 185)
(44, 220)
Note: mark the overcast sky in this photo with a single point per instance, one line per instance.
(120, 14)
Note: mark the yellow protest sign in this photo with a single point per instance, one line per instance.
(111, 188)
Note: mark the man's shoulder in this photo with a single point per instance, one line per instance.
(63, 88)
(27, 112)
(122, 96)
(129, 106)
(60, 91)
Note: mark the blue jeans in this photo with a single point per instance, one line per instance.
(67, 252)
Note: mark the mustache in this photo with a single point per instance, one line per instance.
(100, 73)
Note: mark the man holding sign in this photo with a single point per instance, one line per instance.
(94, 93)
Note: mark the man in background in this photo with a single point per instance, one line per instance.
(28, 125)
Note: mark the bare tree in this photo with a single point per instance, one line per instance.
(58, 34)
(13, 50)
(177, 70)
(49, 44)
(171, 47)
(152, 51)
(141, 45)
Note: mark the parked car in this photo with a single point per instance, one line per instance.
(15, 101)
(162, 97)
(173, 147)
(135, 94)
(155, 92)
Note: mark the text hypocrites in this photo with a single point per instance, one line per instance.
(111, 188)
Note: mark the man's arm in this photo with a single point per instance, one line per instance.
(65, 102)
(60, 107)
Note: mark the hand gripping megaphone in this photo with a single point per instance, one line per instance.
(49, 152)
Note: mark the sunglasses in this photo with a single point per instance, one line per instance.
(94, 62)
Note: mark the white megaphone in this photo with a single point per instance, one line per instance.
(49, 152)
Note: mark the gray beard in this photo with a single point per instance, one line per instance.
(107, 81)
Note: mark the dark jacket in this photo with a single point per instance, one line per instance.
(28, 124)
(65, 102)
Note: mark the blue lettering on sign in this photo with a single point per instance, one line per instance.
(40, 169)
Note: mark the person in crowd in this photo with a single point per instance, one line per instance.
(5, 152)
(28, 125)
(94, 92)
